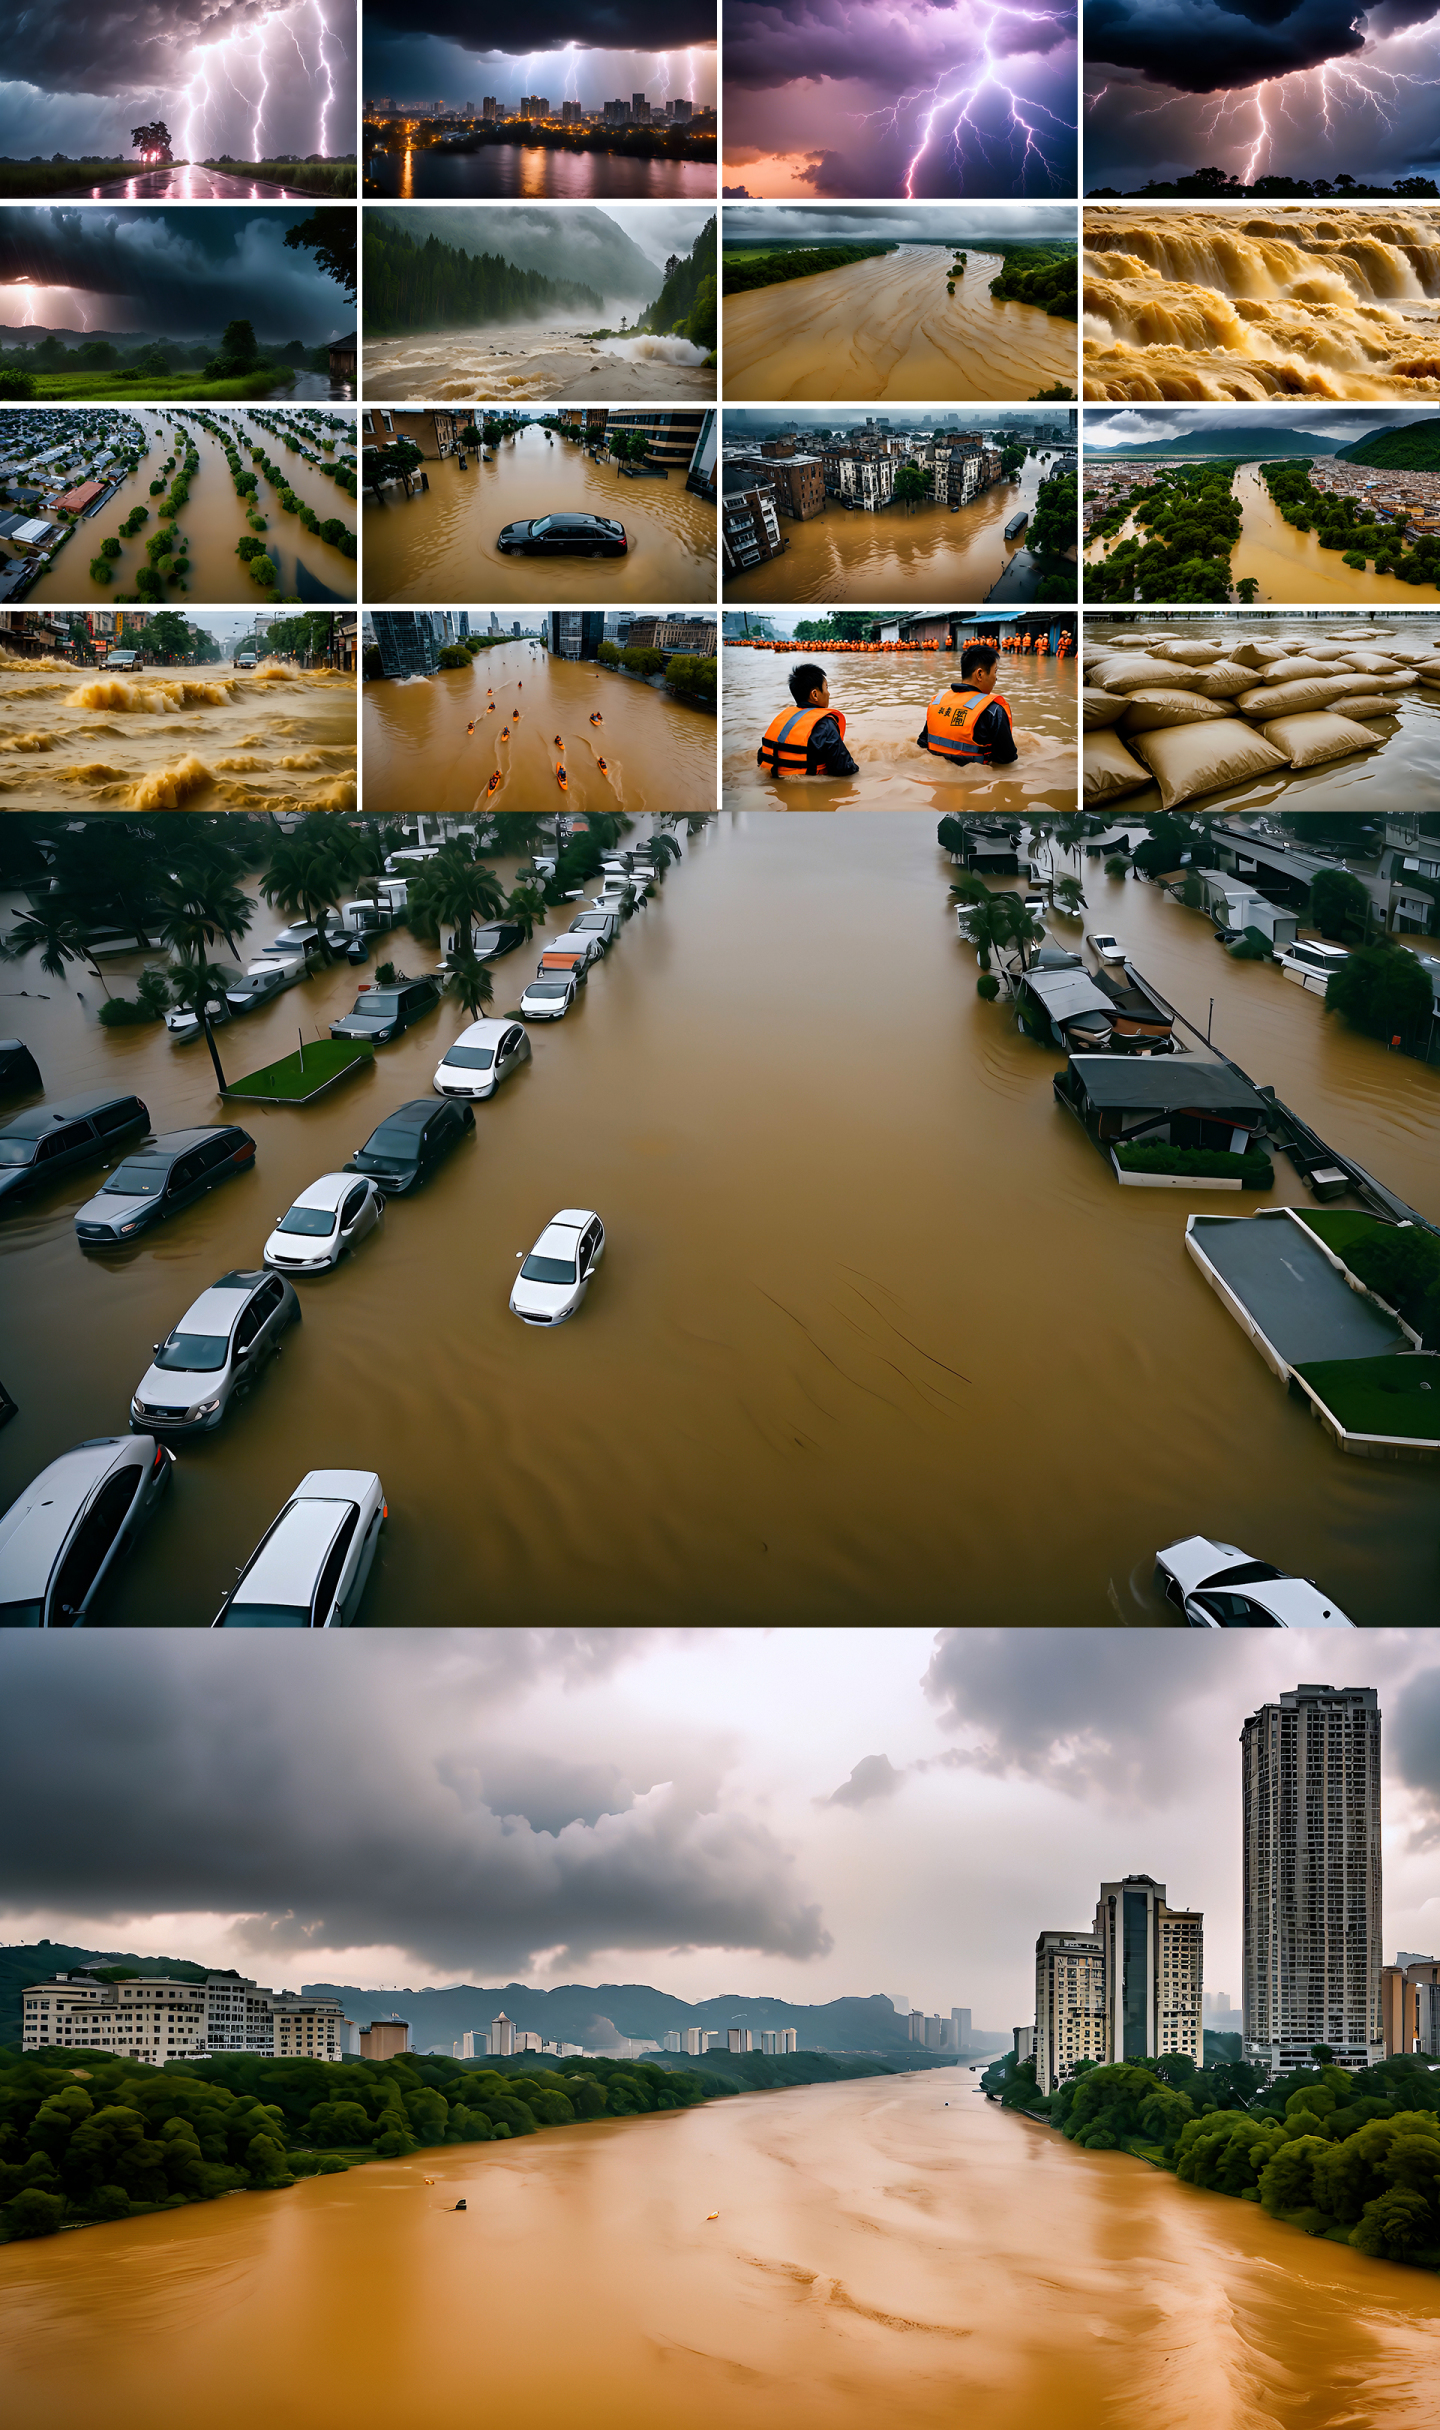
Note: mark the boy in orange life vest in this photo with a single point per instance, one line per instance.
(961, 724)
(807, 740)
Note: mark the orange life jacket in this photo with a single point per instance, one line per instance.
(784, 750)
(951, 718)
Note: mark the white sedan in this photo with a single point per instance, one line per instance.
(325, 1221)
(549, 996)
(1219, 1586)
(482, 1056)
(1107, 947)
(555, 1276)
(309, 1568)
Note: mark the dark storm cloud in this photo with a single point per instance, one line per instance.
(886, 43)
(179, 271)
(1089, 1712)
(586, 25)
(873, 1776)
(119, 46)
(1202, 46)
(1414, 1739)
(343, 1801)
(1396, 17)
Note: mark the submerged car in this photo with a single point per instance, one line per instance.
(404, 1149)
(1108, 948)
(48, 1140)
(563, 536)
(482, 1056)
(325, 1221)
(215, 1352)
(1218, 1586)
(310, 1566)
(162, 1176)
(382, 1013)
(549, 996)
(555, 1277)
(264, 979)
(60, 1541)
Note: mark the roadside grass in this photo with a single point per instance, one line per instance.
(1340, 1230)
(1398, 1394)
(295, 1079)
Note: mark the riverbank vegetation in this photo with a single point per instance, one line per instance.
(687, 305)
(86, 2138)
(1352, 2158)
(1189, 522)
(1045, 275)
(1357, 531)
(433, 286)
(743, 269)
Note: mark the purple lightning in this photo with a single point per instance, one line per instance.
(966, 86)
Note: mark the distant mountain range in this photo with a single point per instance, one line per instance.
(1229, 439)
(1413, 447)
(595, 249)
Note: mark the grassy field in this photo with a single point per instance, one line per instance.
(293, 1080)
(22, 180)
(1338, 1230)
(120, 387)
(1395, 1395)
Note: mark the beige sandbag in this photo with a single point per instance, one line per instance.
(1405, 653)
(1225, 679)
(1190, 653)
(1363, 704)
(1101, 708)
(1402, 681)
(1128, 674)
(1279, 699)
(1190, 760)
(1428, 670)
(1107, 769)
(1296, 669)
(1317, 736)
(1371, 662)
(1164, 705)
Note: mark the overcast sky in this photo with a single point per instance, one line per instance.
(846, 223)
(1135, 427)
(181, 272)
(803, 1813)
(749, 422)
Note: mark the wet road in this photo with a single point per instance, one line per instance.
(875, 1329)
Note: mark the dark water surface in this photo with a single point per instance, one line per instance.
(519, 171)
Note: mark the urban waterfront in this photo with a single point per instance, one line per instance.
(800, 1383)
(526, 172)
(846, 552)
(863, 2243)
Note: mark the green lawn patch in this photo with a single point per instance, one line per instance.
(1254, 1172)
(293, 1081)
(116, 387)
(1396, 1395)
(1338, 1230)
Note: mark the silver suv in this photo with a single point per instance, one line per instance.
(215, 1352)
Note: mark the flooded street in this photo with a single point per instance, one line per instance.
(175, 738)
(534, 172)
(874, 1322)
(1291, 565)
(886, 328)
(440, 543)
(889, 553)
(875, 2258)
(883, 700)
(659, 752)
(213, 518)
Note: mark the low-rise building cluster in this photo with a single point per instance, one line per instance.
(152, 2018)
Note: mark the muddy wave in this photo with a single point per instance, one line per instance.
(93, 772)
(11, 665)
(152, 696)
(171, 788)
(656, 350)
(30, 742)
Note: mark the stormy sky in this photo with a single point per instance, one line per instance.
(899, 97)
(453, 51)
(801, 1813)
(168, 273)
(249, 77)
(748, 422)
(1256, 88)
(1135, 427)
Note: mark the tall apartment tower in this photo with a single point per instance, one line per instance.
(1311, 1891)
(1154, 1957)
(1069, 2006)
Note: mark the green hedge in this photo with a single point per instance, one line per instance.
(1211, 1164)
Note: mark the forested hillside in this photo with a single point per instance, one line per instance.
(435, 286)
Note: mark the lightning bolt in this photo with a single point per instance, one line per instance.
(961, 89)
(256, 136)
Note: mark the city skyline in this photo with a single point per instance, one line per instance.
(459, 53)
(586, 1806)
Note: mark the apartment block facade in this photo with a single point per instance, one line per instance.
(1154, 1958)
(153, 2018)
(1070, 2022)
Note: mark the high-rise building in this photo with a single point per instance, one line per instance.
(1069, 2006)
(384, 2038)
(739, 2038)
(502, 2037)
(749, 525)
(960, 2028)
(697, 2041)
(1311, 1881)
(1024, 2040)
(575, 632)
(1154, 1971)
(406, 643)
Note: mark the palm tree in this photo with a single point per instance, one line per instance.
(56, 935)
(202, 904)
(453, 887)
(663, 850)
(989, 925)
(1068, 895)
(1022, 929)
(527, 905)
(470, 983)
(107, 866)
(968, 888)
(304, 880)
(197, 986)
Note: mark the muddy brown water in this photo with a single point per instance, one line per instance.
(883, 700)
(213, 519)
(440, 543)
(886, 328)
(175, 738)
(420, 752)
(877, 2256)
(844, 553)
(876, 1329)
(1291, 565)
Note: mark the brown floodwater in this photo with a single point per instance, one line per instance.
(175, 738)
(420, 752)
(1291, 565)
(876, 1329)
(213, 519)
(440, 543)
(886, 554)
(883, 701)
(877, 2257)
(886, 328)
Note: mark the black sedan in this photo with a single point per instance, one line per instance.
(405, 1148)
(564, 536)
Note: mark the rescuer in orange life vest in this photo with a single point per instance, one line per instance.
(808, 740)
(969, 721)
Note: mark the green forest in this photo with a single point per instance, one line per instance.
(1414, 447)
(1191, 523)
(1045, 275)
(98, 2138)
(1354, 2158)
(1342, 524)
(435, 286)
(791, 261)
(686, 304)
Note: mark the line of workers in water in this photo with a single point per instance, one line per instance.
(967, 722)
